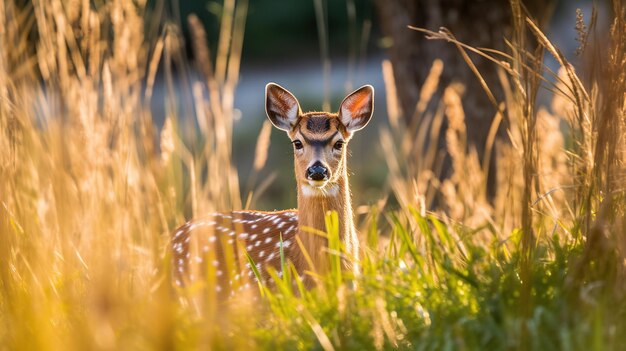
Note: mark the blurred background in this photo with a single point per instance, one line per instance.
(322, 50)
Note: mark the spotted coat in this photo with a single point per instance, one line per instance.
(212, 247)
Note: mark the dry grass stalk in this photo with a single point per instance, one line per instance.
(262, 146)
(394, 111)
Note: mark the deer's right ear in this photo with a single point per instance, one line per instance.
(281, 107)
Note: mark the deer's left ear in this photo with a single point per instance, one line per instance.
(357, 108)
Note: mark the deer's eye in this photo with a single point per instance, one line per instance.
(338, 145)
(297, 144)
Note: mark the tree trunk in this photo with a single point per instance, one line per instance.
(477, 23)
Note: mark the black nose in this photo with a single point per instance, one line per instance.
(317, 172)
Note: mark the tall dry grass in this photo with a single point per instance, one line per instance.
(559, 170)
(555, 145)
(91, 190)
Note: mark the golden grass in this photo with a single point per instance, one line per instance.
(88, 199)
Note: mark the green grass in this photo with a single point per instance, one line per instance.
(448, 294)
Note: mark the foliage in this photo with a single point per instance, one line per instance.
(90, 193)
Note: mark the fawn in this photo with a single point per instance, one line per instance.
(319, 140)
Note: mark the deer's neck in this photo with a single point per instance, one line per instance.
(313, 204)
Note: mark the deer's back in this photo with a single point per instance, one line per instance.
(211, 247)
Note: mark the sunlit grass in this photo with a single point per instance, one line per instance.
(91, 189)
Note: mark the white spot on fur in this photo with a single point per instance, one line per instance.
(285, 244)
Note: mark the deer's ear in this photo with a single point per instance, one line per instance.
(357, 108)
(281, 107)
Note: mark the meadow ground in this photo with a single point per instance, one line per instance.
(91, 190)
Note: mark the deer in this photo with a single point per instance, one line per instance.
(216, 243)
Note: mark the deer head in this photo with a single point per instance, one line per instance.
(319, 138)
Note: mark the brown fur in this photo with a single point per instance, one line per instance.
(312, 209)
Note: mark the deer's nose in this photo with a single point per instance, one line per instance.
(317, 172)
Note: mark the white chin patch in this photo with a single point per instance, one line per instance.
(329, 190)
